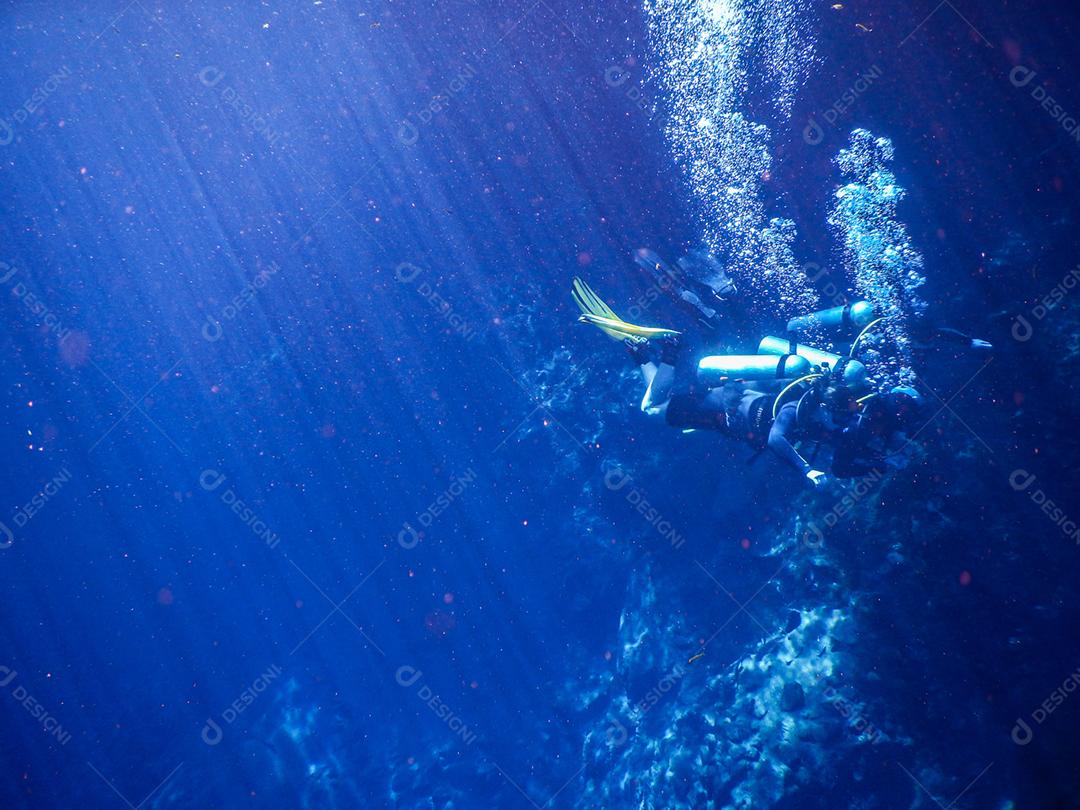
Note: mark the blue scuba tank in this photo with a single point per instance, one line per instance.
(714, 369)
(854, 371)
(856, 315)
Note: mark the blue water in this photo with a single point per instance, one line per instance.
(317, 496)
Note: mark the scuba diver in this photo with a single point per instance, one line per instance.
(927, 336)
(699, 286)
(785, 398)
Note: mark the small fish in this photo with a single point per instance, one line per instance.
(862, 27)
(376, 25)
(696, 657)
(837, 6)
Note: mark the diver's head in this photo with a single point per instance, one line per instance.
(838, 398)
(907, 405)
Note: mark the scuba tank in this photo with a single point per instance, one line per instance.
(854, 372)
(713, 369)
(857, 314)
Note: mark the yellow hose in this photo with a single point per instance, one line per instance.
(780, 396)
(866, 329)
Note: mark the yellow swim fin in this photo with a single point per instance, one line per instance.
(620, 330)
(589, 302)
(600, 315)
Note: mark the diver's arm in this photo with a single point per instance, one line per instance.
(779, 443)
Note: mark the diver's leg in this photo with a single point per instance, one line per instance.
(648, 371)
(718, 409)
(661, 379)
(641, 354)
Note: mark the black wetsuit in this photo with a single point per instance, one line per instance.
(734, 409)
(859, 442)
(788, 424)
(746, 414)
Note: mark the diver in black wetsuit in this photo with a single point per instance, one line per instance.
(862, 437)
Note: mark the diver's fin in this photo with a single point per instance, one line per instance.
(596, 312)
(621, 329)
(589, 302)
(706, 269)
(591, 305)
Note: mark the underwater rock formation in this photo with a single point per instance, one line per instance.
(781, 724)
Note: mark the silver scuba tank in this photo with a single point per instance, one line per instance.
(712, 370)
(854, 371)
(857, 314)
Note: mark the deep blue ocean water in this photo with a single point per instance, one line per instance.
(317, 496)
